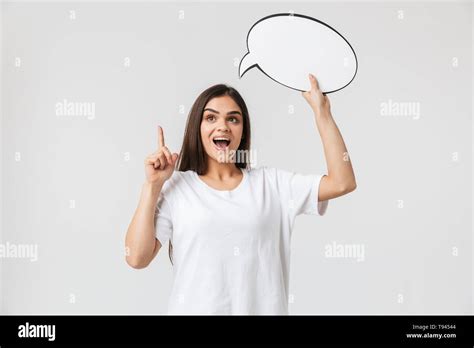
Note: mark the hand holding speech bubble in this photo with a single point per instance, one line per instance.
(287, 47)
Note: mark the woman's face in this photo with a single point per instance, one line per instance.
(221, 128)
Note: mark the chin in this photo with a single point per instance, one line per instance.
(225, 156)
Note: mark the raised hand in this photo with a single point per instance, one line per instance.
(159, 165)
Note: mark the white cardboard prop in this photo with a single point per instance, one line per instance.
(286, 47)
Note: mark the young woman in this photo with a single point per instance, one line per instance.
(229, 226)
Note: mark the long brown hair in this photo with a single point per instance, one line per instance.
(193, 155)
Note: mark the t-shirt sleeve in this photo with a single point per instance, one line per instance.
(299, 193)
(162, 220)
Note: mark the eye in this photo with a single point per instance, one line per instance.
(234, 119)
(210, 118)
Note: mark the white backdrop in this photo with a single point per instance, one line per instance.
(85, 84)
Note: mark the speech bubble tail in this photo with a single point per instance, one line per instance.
(246, 64)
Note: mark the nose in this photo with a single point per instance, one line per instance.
(222, 126)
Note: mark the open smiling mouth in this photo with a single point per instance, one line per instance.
(221, 143)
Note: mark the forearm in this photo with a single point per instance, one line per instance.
(140, 238)
(340, 169)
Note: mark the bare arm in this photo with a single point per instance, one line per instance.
(142, 246)
(340, 179)
(140, 241)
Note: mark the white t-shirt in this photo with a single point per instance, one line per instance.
(231, 249)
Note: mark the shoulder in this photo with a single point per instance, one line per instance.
(177, 181)
(275, 177)
(270, 173)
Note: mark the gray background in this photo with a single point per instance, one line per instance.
(408, 251)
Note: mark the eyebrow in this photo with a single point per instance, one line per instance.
(229, 113)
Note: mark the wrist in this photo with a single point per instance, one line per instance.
(320, 112)
(152, 188)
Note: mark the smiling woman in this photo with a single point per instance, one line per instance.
(228, 225)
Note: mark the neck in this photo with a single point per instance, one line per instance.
(220, 171)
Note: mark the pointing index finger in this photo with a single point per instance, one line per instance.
(161, 138)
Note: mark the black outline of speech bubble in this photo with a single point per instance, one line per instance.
(302, 16)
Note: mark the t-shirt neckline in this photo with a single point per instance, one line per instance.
(224, 192)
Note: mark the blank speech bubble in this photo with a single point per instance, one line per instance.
(286, 47)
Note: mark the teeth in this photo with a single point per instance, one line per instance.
(221, 139)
